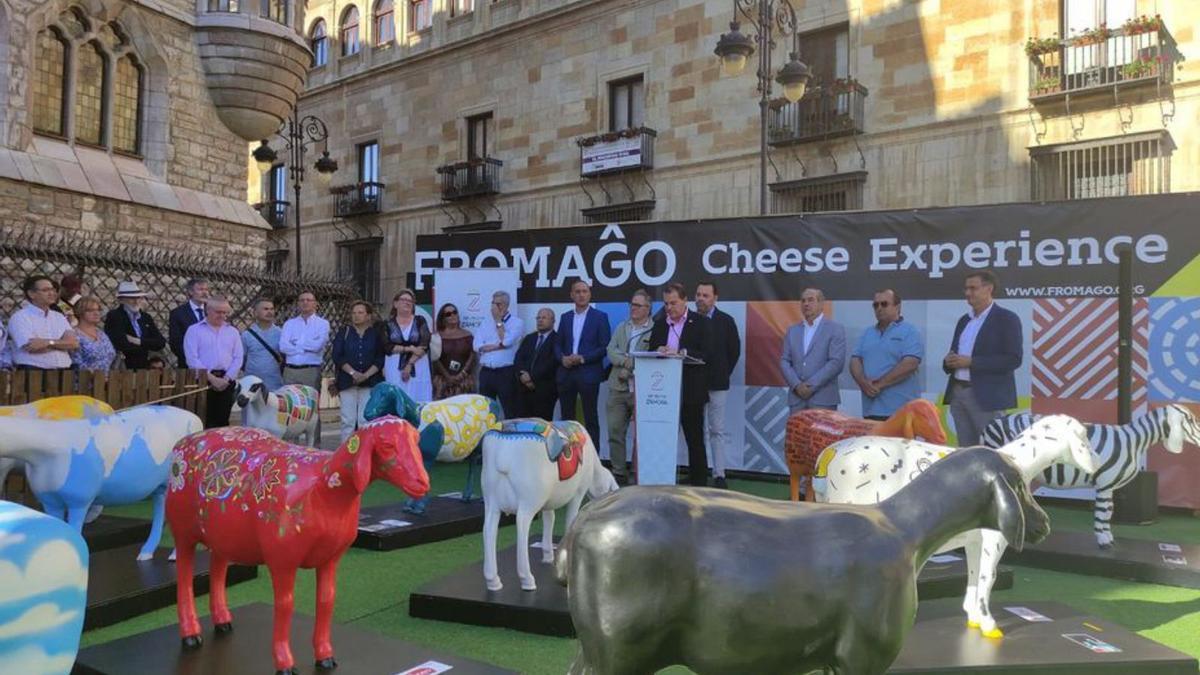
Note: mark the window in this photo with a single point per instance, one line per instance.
(1087, 62)
(275, 10)
(126, 108)
(419, 17)
(368, 168)
(48, 80)
(385, 26)
(626, 103)
(319, 43)
(1081, 15)
(826, 53)
(836, 192)
(350, 31)
(89, 95)
(276, 261)
(461, 7)
(1136, 164)
(359, 260)
(223, 5)
(479, 132)
(274, 196)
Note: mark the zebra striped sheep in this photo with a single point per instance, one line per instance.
(1120, 451)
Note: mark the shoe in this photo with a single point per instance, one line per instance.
(719, 482)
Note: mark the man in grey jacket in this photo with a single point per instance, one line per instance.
(631, 335)
(813, 355)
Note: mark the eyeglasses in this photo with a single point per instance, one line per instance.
(881, 303)
(452, 312)
(638, 304)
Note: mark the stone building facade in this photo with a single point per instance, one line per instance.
(121, 117)
(468, 114)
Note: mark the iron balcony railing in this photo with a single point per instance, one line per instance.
(472, 178)
(360, 199)
(1142, 53)
(834, 110)
(275, 212)
(629, 149)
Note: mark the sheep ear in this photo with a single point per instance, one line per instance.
(262, 391)
(1009, 514)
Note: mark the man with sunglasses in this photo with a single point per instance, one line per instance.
(885, 362)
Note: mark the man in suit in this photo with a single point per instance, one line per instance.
(131, 330)
(984, 354)
(722, 357)
(814, 352)
(183, 316)
(685, 332)
(583, 334)
(537, 369)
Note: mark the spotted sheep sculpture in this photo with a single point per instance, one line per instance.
(286, 413)
(658, 576)
(811, 431)
(43, 592)
(451, 429)
(54, 408)
(253, 499)
(1119, 450)
(123, 458)
(869, 469)
(532, 466)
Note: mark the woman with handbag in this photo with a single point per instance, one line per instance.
(407, 362)
(358, 353)
(454, 369)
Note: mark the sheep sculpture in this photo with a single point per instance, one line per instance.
(658, 576)
(868, 469)
(288, 413)
(54, 408)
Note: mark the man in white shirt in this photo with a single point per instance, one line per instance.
(41, 337)
(215, 346)
(302, 343)
(497, 341)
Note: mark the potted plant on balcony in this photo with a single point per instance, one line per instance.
(1145, 66)
(1142, 24)
(1047, 84)
(1092, 36)
(1038, 46)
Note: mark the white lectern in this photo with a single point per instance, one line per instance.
(656, 386)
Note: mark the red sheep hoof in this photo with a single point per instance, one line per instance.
(327, 664)
(223, 628)
(192, 642)
(289, 671)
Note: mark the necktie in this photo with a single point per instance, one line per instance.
(541, 339)
(200, 314)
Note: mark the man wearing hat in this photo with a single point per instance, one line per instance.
(131, 330)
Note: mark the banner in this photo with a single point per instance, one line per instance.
(1057, 264)
(471, 292)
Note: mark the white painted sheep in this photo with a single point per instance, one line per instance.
(286, 413)
(531, 466)
(869, 469)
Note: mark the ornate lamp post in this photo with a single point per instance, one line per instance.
(735, 49)
(298, 133)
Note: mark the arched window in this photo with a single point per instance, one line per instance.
(385, 25)
(419, 17)
(127, 105)
(319, 43)
(49, 76)
(89, 94)
(350, 31)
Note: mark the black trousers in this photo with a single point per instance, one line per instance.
(500, 384)
(539, 402)
(568, 390)
(217, 407)
(691, 419)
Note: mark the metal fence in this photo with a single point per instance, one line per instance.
(103, 263)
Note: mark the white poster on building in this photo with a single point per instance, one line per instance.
(470, 290)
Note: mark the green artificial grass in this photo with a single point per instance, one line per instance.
(373, 589)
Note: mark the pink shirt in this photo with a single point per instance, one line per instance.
(674, 331)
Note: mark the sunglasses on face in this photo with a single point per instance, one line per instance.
(881, 303)
(452, 312)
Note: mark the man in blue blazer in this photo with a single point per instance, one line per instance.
(583, 334)
(986, 350)
(813, 355)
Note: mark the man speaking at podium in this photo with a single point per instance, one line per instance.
(685, 332)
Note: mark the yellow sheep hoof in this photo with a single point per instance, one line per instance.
(993, 633)
(972, 624)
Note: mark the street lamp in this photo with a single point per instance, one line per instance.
(735, 48)
(298, 133)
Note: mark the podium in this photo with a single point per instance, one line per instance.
(656, 389)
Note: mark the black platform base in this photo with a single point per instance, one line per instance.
(108, 532)
(1053, 638)
(121, 587)
(1146, 561)
(461, 597)
(247, 651)
(388, 527)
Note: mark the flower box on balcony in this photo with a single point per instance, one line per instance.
(616, 151)
(358, 199)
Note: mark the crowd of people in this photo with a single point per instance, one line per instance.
(559, 363)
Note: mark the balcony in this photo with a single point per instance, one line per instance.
(827, 112)
(472, 178)
(616, 152)
(275, 212)
(359, 199)
(1140, 53)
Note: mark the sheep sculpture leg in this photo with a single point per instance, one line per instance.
(491, 524)
(1103, 518)
(218, 605)
(525, 514)
(185, 597)
(990, 546)
(156, 524)
(326, 595)
(283, 582)
(548, 535)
